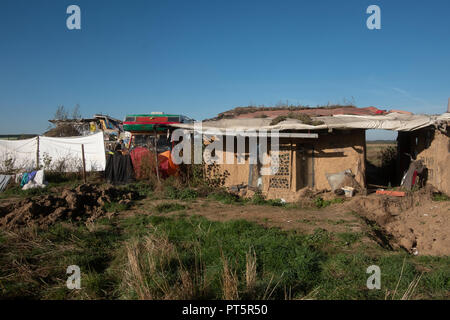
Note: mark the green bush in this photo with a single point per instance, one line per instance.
(172, 192)
(319, 202)
(225, 197)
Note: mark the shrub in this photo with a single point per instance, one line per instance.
(225, 197)
(319, 202)
(172, 192)
(259, 199)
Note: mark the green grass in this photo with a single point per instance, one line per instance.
(441, 197)
(348, 238)
(169, 207)
(258, 199)
(319, 202)
(225, 197)
(143, 189)
(319, 265)
(16, 191)
(116, 206)
(172, 192)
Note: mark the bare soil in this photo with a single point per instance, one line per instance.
(414, 222)
(82, 203)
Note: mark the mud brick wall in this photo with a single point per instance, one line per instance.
(433, 148)
(339, 151)
(330, 153)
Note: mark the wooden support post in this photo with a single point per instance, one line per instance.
(291, 154)
(84, 163)
(37, 154)
(156, 154)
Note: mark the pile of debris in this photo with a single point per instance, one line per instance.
(84, 203)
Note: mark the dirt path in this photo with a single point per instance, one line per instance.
(334, 218)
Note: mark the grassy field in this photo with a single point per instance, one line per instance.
(375, 148)
(162, 252)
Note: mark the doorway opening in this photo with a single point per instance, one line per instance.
(381, 159)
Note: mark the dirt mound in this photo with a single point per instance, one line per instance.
(86, 202)
(414, 222)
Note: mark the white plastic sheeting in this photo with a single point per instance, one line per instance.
(18, 154)
(391, 121)
(54, 153)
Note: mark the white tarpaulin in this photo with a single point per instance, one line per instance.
(54, 153)
(16, 154)
(391, 121)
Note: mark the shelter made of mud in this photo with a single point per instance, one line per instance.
(312, 148)
(432, 146)
(303, 162)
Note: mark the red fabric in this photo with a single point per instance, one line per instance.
(136, 158)
(414, 178)
(166, 166)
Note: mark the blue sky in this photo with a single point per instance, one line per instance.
(202, 57)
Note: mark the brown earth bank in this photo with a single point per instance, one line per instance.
(85, 202)
(414, 222)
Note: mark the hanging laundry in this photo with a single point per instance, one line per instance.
(4, 180)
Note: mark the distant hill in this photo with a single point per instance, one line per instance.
(381, 142)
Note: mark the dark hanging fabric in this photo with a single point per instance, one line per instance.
(119, 169)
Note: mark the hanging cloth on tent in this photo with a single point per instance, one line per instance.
(119, 169)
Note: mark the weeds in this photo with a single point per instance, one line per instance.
(155, 257)
(440, 197)
(116, 206)
(349, 238)
(225, 197)
(172, 192)
(319, 202)
(258, 199)
(169, 207)
(303, 118)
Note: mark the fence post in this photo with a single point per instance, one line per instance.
(84, 163)
(156, 153)
(37, 153)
